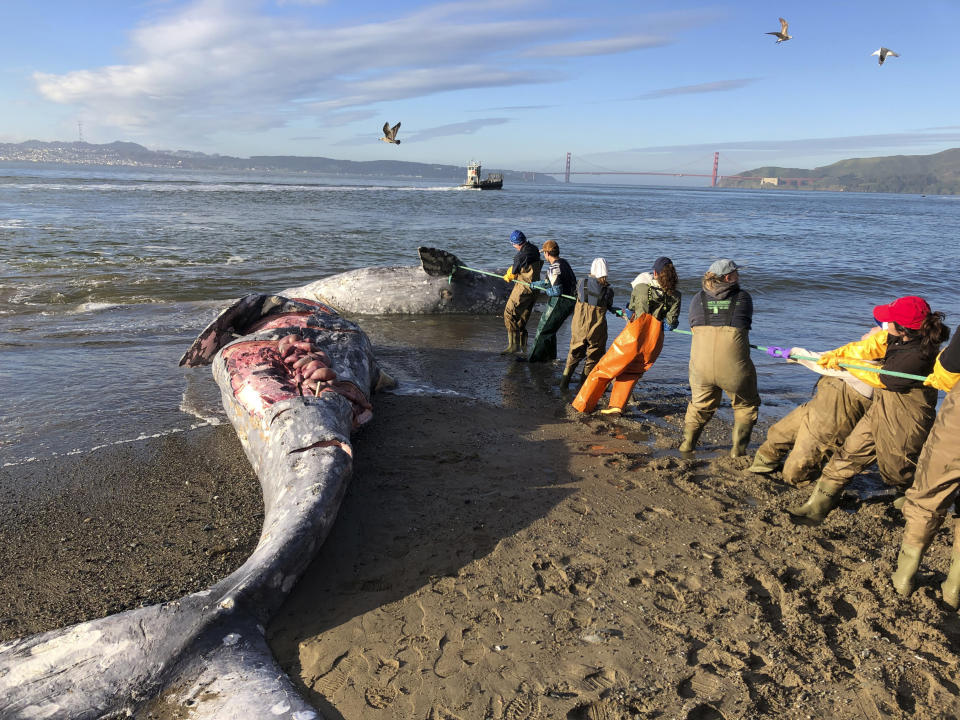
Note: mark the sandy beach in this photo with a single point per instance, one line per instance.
(512, 562)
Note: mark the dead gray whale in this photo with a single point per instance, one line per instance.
(295, 380)
(438, 285)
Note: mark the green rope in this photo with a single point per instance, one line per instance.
(761, 348)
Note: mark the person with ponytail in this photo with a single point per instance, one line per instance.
(654, 301)
(893, 430)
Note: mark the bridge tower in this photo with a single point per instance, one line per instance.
(566, 177)
(716, 164)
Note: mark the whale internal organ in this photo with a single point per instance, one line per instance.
(206, 653)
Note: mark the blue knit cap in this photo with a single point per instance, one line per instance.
(517, 238)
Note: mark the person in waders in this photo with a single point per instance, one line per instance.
(653, 302)
(588, 328)
(894, 428)
(803, 440)
(560, 281)
(936, 484)
(524, 271)
(721, 315)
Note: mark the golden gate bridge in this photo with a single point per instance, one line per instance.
(714, 177)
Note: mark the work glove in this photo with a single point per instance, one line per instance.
(540, 285)
(617, 311)
(508, 276)
(829, 360)
(778, 352)
(552, 290)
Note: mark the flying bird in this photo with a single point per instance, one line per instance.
(390, 133)
(782, 35)
(883, 52)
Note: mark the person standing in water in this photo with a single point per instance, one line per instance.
(524, 271)
(721, 315)
(560, 281)
(588, 329)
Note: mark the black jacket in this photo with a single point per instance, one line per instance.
(525, 257)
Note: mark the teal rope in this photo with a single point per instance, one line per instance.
(761, 348)
(868, 368)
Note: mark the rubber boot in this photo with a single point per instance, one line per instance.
(817, 506)
(691, 434)
(741, 438)
(951, 586)
(565, 378)
(762, 466)
(512, 344)
(908, 562)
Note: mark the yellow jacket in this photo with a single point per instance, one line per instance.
(860, 352)
(941, 378)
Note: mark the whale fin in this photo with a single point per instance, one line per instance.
(438, 262)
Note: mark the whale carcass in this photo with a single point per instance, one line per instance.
(295, 380)
(440, 284)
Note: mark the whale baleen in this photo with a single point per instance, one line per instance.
(295, 380)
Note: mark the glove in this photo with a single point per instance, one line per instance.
(552, 290)
(673, 326)
(829, 360)
(778, 352)
(539, 285)
(508, 276)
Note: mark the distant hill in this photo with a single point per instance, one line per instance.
(937, 174)
(131, 154)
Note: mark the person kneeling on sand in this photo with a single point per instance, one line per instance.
(803, 440)
(936, 484)
(588, 328)
(894, 428)
(524, 271)
(560, 281)
(721, 315)
(654, 300)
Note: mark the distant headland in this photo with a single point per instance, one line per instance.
(128, 154)
(937, 174)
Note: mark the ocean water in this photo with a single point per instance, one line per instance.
(107, 274)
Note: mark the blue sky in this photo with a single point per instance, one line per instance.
(631, 85)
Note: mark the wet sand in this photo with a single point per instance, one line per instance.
(518, 564)
(512, 562)
(88, 535)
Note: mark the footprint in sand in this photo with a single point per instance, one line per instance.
(336, 677)
(525, 706)
(602, 679)
(450, 662)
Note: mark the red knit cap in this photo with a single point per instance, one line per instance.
(909, 312)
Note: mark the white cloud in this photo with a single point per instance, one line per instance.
(604, 46)
(718, 86)
(230, 65)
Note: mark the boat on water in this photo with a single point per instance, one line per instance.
(493, 181)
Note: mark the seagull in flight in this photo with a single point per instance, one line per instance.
(782, 35)
(390, 133)
(883, 52)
